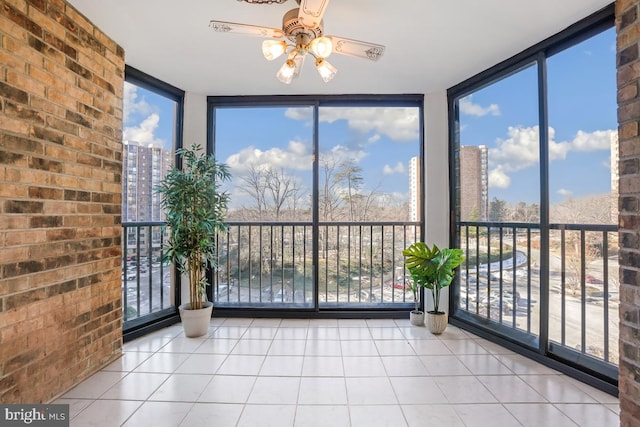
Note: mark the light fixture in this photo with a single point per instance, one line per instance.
(326, 70)
(286, 72)
(271, 49)
(301, 34)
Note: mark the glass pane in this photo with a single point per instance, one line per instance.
(499, 175)
(149, 131)
(583, 194)
(369, 203)
(265, 259)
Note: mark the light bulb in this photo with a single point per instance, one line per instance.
(271, 49)
(286, 72)
(321, 47)
(326, 70)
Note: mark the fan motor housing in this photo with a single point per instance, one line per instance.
(292, 27)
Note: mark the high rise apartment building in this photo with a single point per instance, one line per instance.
(144, 166)
(474, 183)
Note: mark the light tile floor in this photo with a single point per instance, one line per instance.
(289, 372)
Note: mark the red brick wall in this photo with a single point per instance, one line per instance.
(628, 26)
(61, 84)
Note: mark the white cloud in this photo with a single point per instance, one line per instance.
(521, 150)
(468, 108)
(144, 133)
(132, 105)
(564, 192)
(399, 124)
(498, 179)
(295, 156)
(397, 169)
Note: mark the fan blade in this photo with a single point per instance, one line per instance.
(253, 30)
(357, 48)
(311, 11)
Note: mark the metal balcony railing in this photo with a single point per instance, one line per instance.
(272, 264)
(500, 281)
(147, 288)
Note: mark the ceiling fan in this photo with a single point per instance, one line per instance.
(302, 34)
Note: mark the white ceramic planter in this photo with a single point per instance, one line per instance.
(195, 322)
(416, 318)
(437, 322)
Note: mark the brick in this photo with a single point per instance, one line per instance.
(20, 144)
(24, 113)
(13, 93)
(20, 19)
(628, 17)
(47, 134)
(627, 55)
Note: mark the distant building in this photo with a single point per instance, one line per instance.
(474, 183)
(143, 169)
(415, 188)
(144, 166)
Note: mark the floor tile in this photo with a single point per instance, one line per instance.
(182, 388)
(355, 334)
(417, 390)
(484, 364)
(370, 391)
(322, 391)
(106, 413)
(287, 348)
(260, 333)
(95, 386)
(444, 365)
(217, 346)
(136, 386)
(429, 347)
(322, 416)
(364, 366)
(251, 346)
(464, 389)
(394, 348)
(128, 361)
(212, 414)
(162, 363)
(382, 333)
(377, 416)
(510, 388)
(359, 348)
(282, 365)
(482, 415)
(436, 415)
(464, 346)
(539, 414)
(275, 390)
(338, 372)
(404, 366)
(322, 348)
(182, 345)
(159, 414)
(202, 364)
(75, 405)
(556, 389)
(322, 366)
(586, 415)
(291, 334)
(228, 389)
(236, 364)
(267, 416)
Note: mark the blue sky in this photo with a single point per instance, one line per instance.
(582, 116)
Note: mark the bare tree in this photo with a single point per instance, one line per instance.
(281, 188)
(351, 175)
(330, 200)
(254, 184)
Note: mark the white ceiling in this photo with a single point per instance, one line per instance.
(430, 44)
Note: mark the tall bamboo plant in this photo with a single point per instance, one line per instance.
(195, 212)
(432, 267)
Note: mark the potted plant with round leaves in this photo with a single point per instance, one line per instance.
(433, 268)
(195, 211)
